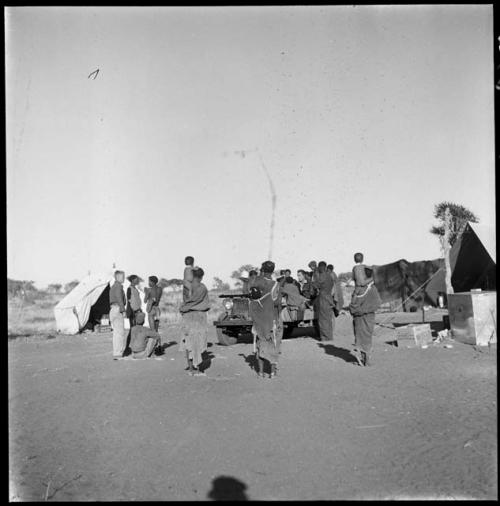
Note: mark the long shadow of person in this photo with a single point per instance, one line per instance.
(166, 345)
(343, 353)
(227, 488)
(250, 359)
(207, 357)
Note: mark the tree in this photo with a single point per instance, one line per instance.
(453, 218)
(69, 286)
(237, 273)
(345, 277)
(459, 216)
(220, 285)
(54, 287)
(17, 288)
(174, 283)
(163, 283)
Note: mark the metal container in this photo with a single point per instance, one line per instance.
(473, 317)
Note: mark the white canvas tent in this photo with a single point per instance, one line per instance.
(73, 311)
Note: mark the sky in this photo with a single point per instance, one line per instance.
(365, 117)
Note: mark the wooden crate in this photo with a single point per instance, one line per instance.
(473, 317)
(104, 328)
(420, 334)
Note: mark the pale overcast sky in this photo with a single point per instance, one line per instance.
(365, 117)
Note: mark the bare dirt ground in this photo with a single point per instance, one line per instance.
(419, 423)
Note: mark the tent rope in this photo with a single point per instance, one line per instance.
(408, 298)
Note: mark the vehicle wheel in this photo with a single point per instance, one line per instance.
(225, 337)
(288, 330)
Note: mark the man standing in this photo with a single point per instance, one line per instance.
(264, 309)
(117, 314)
(194, 323)
(359, 274)
(363, 306)
(152, 299)
(143, 341)
(338, 297)
(323, 303)
(133, 299)
(188, 278)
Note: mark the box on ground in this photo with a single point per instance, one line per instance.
(421, 333)
(473, 317)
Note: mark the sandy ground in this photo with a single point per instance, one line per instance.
(419, 423)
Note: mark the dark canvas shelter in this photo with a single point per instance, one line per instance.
(473, 259)
(399, 280)
(472, 262)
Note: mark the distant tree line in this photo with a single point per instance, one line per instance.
(16, 288)
(174, 283)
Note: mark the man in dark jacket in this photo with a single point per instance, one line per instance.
(338, 296)
(265, 311)
(323, 303)
(363, 307)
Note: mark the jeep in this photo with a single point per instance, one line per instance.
(235, 320)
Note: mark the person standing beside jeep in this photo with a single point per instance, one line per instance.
(323, 303)
(338, 297)
(265, 312)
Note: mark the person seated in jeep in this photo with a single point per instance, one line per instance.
(293, 296)
(306, 287)
(294, 300)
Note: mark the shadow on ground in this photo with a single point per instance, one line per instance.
(226, 488)
(207, 357)
(250, 359)
(335, 351)
(164, 346)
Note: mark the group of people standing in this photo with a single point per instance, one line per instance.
(318, 289)
(139, 342)
(142, 342)
(315, 290)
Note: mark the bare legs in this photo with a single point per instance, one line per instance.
(191, 368)
(260, 368)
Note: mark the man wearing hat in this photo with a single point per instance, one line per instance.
(143, 341)
(265, 311)
(152, 299)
